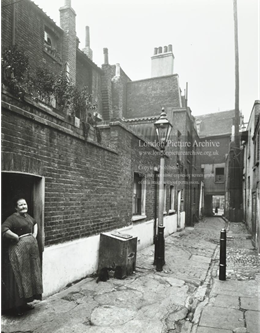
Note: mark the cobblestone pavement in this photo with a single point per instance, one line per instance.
(174, 300)
(242, 259)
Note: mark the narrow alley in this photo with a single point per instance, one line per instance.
(187, 296)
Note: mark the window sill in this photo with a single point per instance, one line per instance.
(138, 217)
(172, 211)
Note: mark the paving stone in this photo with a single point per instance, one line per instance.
(236, 288)
(253, 321)
(141, 326)
(78, 328)
(211, 330)
(200, 259)
(125, 298)
(111, 315)
(250, 303)
(176, 316)
(224, 318)
(240, 330)
(98, 329)
(226, 301)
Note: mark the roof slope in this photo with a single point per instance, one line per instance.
(212, 124)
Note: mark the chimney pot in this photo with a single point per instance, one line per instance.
(87, 38)
(105, 51)
(68, 3)
(117, 69)
(160, 49)
(165, 49)
(170, 48)
(155, 50)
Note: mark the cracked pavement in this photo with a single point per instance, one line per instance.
(175, 300)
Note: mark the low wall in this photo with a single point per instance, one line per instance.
(71, 261)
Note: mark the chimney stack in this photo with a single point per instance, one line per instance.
(105, 51)
(68, 25)
(87, 50)
(162, 61)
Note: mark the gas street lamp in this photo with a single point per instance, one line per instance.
(163, 128)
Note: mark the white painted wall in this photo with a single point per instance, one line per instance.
(71, 261)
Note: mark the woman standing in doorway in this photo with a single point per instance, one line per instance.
(21, 267)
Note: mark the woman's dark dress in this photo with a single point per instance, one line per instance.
(21, 268)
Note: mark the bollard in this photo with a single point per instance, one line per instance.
(222, 256)
(160, 260)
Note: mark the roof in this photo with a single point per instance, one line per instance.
(212, 124)
(143, 127)
(84, 56)
(45, 14)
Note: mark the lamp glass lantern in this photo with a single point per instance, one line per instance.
(163, 129)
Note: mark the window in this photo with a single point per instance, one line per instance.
(172, 198)
(219, 175)
(52, 44)
(139, 193)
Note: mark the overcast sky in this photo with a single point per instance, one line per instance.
(200, 31)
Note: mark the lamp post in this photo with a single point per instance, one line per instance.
(163, 128)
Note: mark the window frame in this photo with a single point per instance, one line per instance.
(172, 199)
(141, 214)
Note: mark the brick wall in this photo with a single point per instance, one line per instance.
(88, 188)
(6, 24)
(30, 23)
(147, 97)
(89, 75)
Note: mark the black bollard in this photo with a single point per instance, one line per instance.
(160, 260)
(222, 256)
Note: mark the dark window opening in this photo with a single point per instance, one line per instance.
(219, 175)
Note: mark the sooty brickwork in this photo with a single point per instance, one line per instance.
(88, 187)
(24, 24)
(146, 97)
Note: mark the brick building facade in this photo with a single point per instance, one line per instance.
(251, 174)
(77, 186)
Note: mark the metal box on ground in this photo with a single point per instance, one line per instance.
(118, 252)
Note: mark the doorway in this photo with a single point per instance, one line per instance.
(31, 188)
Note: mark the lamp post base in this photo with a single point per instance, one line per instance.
(160, 249)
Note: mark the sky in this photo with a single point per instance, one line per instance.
(202, 36)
